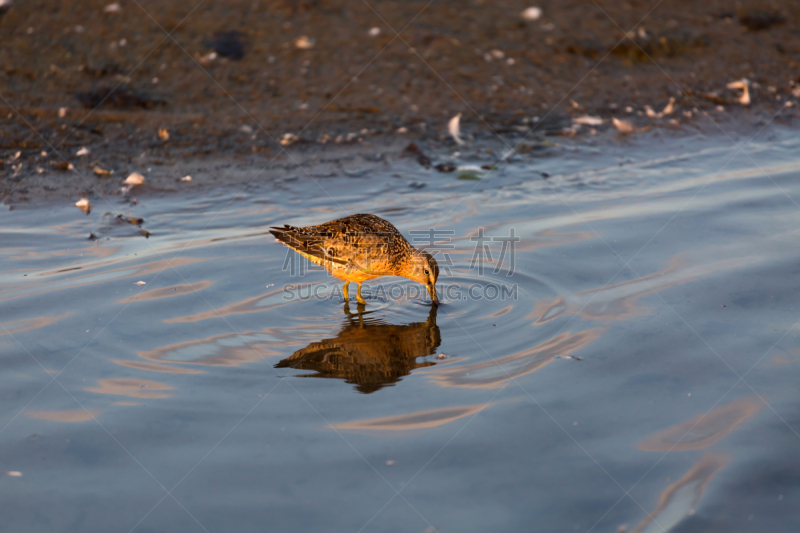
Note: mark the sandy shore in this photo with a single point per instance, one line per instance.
(220, 90)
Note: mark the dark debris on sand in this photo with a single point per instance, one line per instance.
(228, 44)
(120, 97)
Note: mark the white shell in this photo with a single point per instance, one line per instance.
(84, 205)
(532, 13)
(134, 179)
(304, 42)
(587, 120)
(744, 86)
(454, 127)
(624, 126)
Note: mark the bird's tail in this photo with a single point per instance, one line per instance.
(288, 235)
(299, 241)
(308, 244)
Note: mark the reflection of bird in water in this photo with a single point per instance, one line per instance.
(369, 353)
(360, 248)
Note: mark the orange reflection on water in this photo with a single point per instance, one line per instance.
(226, 349)
(500, 313)
(413, 421)
(89, 250)
(785, 358)
(681, 498)
(370, 354)
(703, 430)
(141, 269)
(156, 367)
(496, 371)
(248, 305)
(166, 292)
(27, 324)
(135, 388)
(70, 415)
(620, 300)
(128, 271)
(538, 239)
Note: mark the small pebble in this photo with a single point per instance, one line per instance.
(288, 138)
(742, 85)
(454, 127)
(84, 205)
(624, 126)
(208, 58)
(532, 13)
(588, 120)
(669, 108)
(304, 43)
(134, 179)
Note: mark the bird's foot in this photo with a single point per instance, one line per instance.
(359, 297)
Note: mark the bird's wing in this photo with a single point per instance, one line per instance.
(353, 246)
(307, 243)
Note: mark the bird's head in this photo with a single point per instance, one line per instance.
(423, 269)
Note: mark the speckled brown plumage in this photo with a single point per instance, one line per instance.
(359, 248)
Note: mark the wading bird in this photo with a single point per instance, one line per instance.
(360, 248)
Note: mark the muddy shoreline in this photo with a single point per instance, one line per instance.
(233, 92)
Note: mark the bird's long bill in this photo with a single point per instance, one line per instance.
(432, 291)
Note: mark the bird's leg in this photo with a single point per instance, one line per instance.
(345, 290)
(358, 295)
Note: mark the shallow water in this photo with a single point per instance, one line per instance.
(639, 371)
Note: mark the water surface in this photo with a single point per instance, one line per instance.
(639, 372)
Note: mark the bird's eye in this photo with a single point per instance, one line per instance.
(427, 273)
